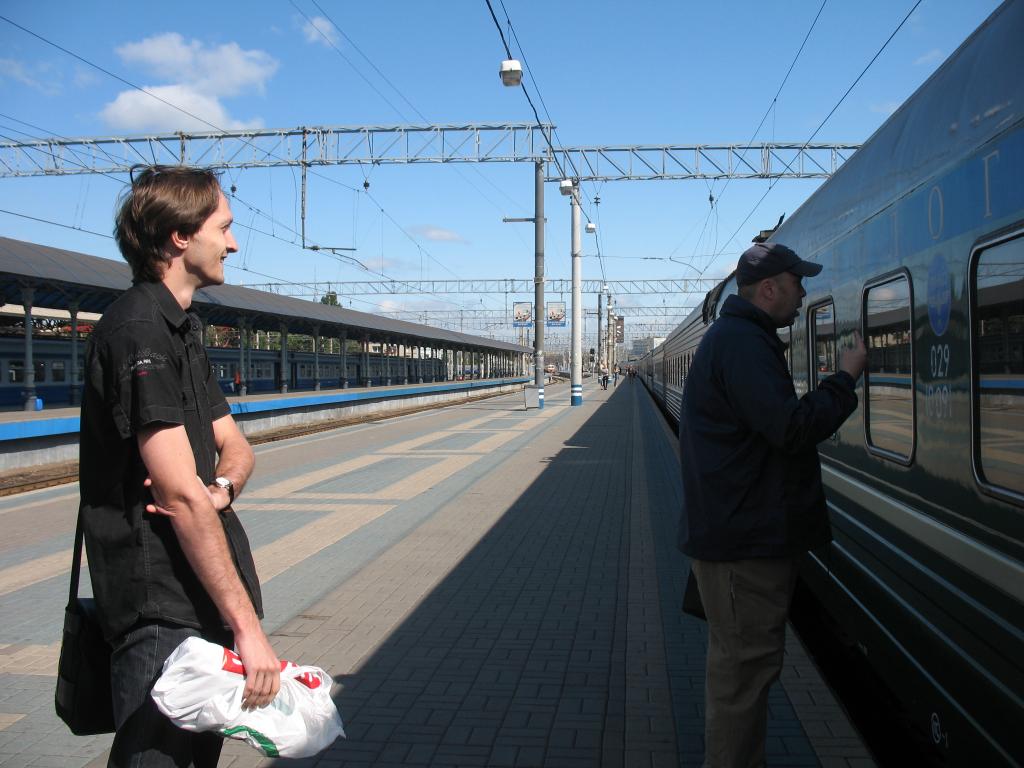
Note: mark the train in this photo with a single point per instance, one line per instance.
(52, 363)
(921, 234)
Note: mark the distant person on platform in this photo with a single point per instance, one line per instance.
(752, 493)
(161, 462)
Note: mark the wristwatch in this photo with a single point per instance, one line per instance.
(227, 485)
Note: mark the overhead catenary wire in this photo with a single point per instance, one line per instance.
(536, 115)
(393, 87)
(750, 142)
(55, 223)
(255, 210)
(227, 264)
(822, 123)
(376, 90)
(166, 102)
(775, 98)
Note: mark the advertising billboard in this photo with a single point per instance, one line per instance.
(556, 314)
(522, 314)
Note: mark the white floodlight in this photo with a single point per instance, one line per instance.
(565, 186)
(591, 227)
(511, 72)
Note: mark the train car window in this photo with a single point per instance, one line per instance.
(40, 367)
(823, 342)
(15, 372)
(57, 371)
(888, 383)
(997, 320)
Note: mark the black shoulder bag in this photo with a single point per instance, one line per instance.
(692, 604)
(83, 699)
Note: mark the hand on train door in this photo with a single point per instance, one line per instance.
(854, 359)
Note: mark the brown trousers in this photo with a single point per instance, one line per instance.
(747, 602)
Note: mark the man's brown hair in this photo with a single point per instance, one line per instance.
(162, 199)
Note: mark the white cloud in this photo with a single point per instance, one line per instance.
(135, 111)
(885, 108)
(225, 70)
(320, 30)
(412, 305)
(438, 234)
(17, 71)
(934, 56)
(85, 78)
(200, 76)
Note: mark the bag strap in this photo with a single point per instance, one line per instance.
(76, 562)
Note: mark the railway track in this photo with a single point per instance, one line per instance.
(34, 478)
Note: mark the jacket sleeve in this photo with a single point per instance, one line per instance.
(760, 391)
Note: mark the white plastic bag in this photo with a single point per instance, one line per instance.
(201, 690)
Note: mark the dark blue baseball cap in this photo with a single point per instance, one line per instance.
(763, 260)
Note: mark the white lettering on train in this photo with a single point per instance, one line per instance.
(935, 220)
(988, 199)
(937, 401)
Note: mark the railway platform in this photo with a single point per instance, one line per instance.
(488, 586)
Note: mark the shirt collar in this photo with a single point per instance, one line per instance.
(175, 316)
(739, 307)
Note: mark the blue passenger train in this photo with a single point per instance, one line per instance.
(922, 238)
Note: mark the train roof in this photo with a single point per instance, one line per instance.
(59, 277)
(977, 94)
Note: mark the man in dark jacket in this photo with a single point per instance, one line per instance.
(752, 493)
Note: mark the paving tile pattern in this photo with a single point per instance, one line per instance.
(489, 587)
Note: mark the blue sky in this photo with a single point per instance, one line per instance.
(609, 74)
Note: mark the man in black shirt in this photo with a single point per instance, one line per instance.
(752, 494)
(161, 462)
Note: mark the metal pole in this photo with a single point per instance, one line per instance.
(73, 390)
(316, 358)
(285, 373)
(600, 350)
(241, 358)
(29, 404)
(576, 396)
(344, 359)
(610, 333)
(539, 314)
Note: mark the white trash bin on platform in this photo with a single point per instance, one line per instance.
(531, 396)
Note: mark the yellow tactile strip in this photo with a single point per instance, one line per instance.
(18, 659)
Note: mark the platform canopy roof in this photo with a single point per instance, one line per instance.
(60, 278)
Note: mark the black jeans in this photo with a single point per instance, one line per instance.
(145, 737)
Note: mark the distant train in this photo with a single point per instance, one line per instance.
(922, 238)
(51, 359)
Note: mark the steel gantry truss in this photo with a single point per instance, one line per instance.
(492, 316)
(308, 147)
(503, 285)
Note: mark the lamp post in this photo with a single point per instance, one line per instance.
(570, 187)
(511, 73)
(610, 335)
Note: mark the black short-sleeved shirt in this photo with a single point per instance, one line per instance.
(146, 365)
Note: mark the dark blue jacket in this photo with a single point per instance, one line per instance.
(748, 445)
